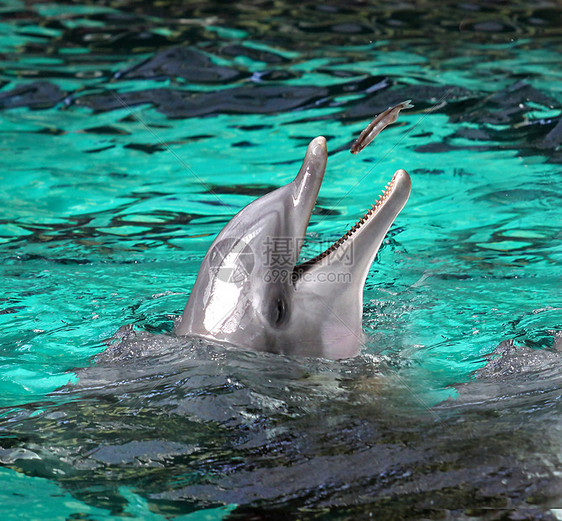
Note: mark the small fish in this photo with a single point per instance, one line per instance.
(378, 124)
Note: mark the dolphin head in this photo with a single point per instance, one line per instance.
(251, 292)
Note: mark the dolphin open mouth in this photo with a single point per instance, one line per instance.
(399, 179)
(381, 215)
(366, 235)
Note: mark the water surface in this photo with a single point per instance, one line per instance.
(132, 132)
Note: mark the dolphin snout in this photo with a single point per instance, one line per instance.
(318, 146)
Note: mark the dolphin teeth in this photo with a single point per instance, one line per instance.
(374, 208)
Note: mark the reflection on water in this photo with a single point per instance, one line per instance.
(132, 132)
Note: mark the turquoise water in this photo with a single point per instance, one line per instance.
(121, 163)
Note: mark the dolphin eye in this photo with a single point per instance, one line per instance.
(280, 312)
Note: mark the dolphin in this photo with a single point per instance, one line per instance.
(252, 293)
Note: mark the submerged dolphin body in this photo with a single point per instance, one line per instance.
(250, 291)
